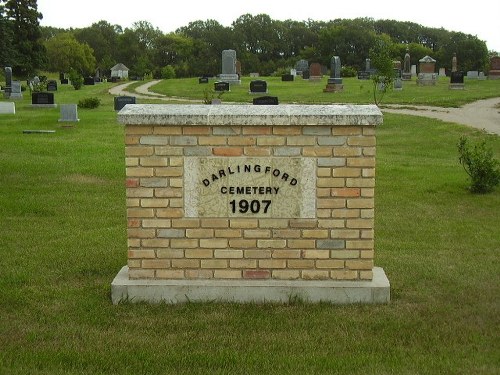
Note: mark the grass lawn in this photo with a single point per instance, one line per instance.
(63, 239)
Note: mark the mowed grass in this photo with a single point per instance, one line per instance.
(355, 91)
(63, 239)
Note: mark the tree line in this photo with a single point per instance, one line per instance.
(262, 44)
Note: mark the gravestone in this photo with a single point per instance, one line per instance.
(407, 74)
(203, 80)
(51, 85)
(398, 84)
(69, 113)
(258, 87)
(427, 75)
(7, 108)
(494, 72)
(89, 81)
(8, 82)
(265, 100)
(442, 72)
(229, 67)
(454, 63)
(456, 81)
(254, 75)
(305, 74)
(315, 72)
(293, 72)
(364, 75)
(16, 90)
(43, 100)
(481, 76)
(62, 76)
(335, 81)
(413, 71)
(301, 67)
(287, 78)
(65, 81)
(122, 101)
(472, 74)
(221, 86)
(36, 80)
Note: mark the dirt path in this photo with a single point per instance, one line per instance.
(482, 114)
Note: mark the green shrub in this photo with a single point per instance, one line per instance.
(349, 71)
(89, 103)
(76, 79)
(168, 72)
(480, 165)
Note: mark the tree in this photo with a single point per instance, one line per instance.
(382, 61)
(5, 39)
(64, 53)
(27, 49)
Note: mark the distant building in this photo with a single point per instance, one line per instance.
(119, 71)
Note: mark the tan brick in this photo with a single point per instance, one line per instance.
(243, 263)
(199, 233)
(228, 254)
(227, 274)
(331, 223)
(324, 172)
(139, 172)
(167, 130)
(368, 192)
(241, 141)
(367, 214)
(133, 202)
(347, 151)
(300, 263)
(169, 274)
(330, 182)
(214, 263)
(367, 254)
(316, 151)
(323, 192)
(244, 223)
(346, 130)
(315, 233)
(170, 212)
(214, 243)
(138, 129)
(155, 242)
(303, 223)
(185, 223)
(329, 263)
(360, 244)
(287, 130)
(360, 182)
(286, 233)
(315, 254)
(257, 151)
(134, 263)
(365, 264)
(185, 263)
(341, 213)
(152, 203)
(273, 223)
(331, 203)
(286, 254)
(257, 233)
(176, 203)
(256, 274)
(346, 172)
(228, 233)
(344, 275)
(175, 161)
(168, 151)
(271, 244)
(150, 161)
(344, 254)
(361, 141)
(132, 140)
(141, 254)
(300, 141)
(366, 275)
(301, 244)
(346, 192)
(285, 274)
(176, 182)
(257, 254)
(199, 253)
(133, 242)
(271, 141)
(214, 223)
(170, 253)
(134, 274)
(272, 263)
(140, 233)
(169, 172)
(139, 193)
(360, 223)
(345, 233)
(368, 130)
(139, 151)
(242, 243)
(227, 151)
(198, 274)
(196, 130)
(134, 223)
(131, 162)
(361, 162)
(212, 141)
(315, 275)
(156, 263)
(369, 151)
(368, 234)
(168, 193)
(183, 243)
(157, 223)
(257, 130)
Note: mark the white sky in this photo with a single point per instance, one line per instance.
(481, 18)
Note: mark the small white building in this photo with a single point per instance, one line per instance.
(119, 71)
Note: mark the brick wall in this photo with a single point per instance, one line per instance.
(337, 244)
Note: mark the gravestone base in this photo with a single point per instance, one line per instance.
(315, 78)
(427, 79)
(494, 74)
(43, 105)
(171, 291)
(333, 87)
(406, 76)
(16, 95)
(456, 86)
(230, 78)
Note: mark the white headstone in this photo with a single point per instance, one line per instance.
(7, 108)
(413, 70)
(69, 113)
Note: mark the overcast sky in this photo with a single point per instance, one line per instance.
(481, 18)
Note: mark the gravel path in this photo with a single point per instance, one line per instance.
(482, 114)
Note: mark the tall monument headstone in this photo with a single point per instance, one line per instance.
(406, 76)
(427, 75)
(229, 67)
(335, 81)
(8, 82)
(494, 68)
(454, 63)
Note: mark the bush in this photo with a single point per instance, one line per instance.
(168, 72)
(480, 165)
(89, 103)
(349, 71)
(76, 79)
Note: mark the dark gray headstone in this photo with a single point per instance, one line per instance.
(221, 86)
(306, 74)
(287, 78)
(16, 90)
(42, 98)
(266, 100)
(122, 101)
(258, 87)
(457, 77)
(302, 66)
(89, 81)
(364, 75)
(203, 80)
(229, 61)
(51, 85)
(335, 67)
(8, 76)
(64, 81)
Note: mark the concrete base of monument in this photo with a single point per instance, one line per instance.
(241, 291)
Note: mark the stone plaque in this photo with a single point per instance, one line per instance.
(42, 98)
(266, 100)
(258, 86)
(221, 86)
(250, 187)
(122, 101)
(287, 77)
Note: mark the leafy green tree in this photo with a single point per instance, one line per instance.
(64, 53)
(382, 60)
(174, 50)
(5, 39)
(27, 50)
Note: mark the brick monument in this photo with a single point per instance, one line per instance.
(250, 203)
